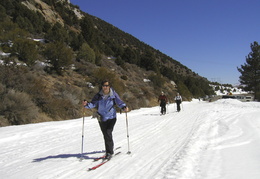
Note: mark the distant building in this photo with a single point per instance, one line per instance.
(240, 97)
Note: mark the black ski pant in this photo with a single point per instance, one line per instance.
(163, 108)
(107, 129)
(178, 105)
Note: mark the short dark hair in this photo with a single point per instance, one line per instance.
(105, 81)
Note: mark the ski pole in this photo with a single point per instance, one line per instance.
(182, 106)
(82, 142)
(129, 152)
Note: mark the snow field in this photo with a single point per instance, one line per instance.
(218, 140)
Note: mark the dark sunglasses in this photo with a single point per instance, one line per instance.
(105, 85)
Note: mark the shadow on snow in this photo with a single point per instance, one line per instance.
(83, 156)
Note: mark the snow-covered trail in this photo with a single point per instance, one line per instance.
(198, 142)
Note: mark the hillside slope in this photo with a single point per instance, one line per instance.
(53, 56)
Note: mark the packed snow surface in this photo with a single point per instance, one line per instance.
(218, 140)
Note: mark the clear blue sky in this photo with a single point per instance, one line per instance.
(211, 37)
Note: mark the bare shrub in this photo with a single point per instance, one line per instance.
(3, 121)
(132, 103)
(157, 80)
(18, 108)
(2, 90)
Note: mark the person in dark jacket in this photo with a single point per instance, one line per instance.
(105, 101)
(178, 100)
(163, 100)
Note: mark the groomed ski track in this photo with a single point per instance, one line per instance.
(167, 146)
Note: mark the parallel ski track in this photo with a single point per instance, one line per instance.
(169, 167)
(163, 158)
(164, 170)
(173, 154)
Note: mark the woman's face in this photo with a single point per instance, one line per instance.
(106, 88)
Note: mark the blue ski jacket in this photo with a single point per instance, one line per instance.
(106, 104)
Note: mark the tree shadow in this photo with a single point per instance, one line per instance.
(80, 156)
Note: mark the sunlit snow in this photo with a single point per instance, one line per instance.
(217, 140)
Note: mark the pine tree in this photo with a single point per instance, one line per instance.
(59, 56)
(250, 71)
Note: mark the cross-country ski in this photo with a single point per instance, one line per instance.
(102, 163)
